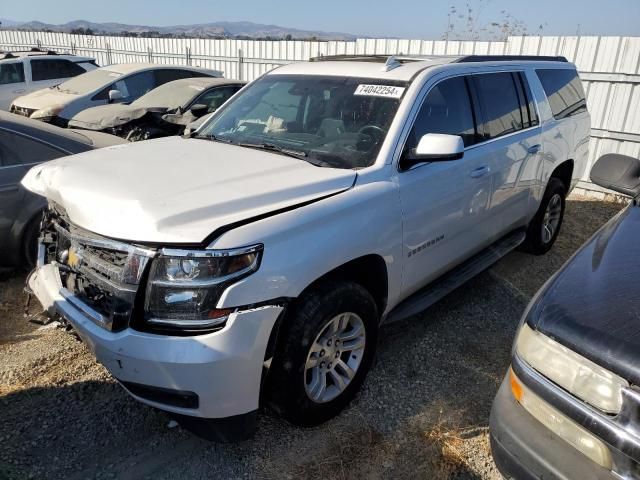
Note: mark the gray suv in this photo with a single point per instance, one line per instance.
(24, 143)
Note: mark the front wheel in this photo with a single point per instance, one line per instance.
(327, 346)
(30, 242)
(545, 226)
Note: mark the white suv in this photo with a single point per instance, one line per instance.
(25, 72)
(258, 258)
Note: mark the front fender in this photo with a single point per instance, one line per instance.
(302, 245)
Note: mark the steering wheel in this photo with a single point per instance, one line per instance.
(375, 130)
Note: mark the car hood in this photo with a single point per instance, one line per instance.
(592, 305)
(47, 97)
(177, 190)
(107, 116)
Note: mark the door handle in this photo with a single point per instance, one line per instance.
(532, 150)
(21, 90)
(480, 172)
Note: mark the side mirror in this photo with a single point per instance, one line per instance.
(198, 109)
(434, 147)
(115, 96)
(619, 173)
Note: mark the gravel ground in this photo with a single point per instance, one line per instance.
(423, 411)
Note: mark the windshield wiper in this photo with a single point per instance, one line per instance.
(213, 138)
(275, 148)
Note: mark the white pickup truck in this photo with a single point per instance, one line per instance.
(257, 259)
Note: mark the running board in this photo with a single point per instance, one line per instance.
(436, 290)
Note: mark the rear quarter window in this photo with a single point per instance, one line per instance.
(564, 91)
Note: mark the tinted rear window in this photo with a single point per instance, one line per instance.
(564, 91)
(500, 103)
(51, 69)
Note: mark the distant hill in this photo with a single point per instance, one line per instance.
(201, 30)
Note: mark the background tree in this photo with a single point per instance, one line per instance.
(466, 23)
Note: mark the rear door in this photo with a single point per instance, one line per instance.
(12, 82)
(511, 136)
(445, 203)
(18, 153)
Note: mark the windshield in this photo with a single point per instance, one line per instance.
(88, 82)
(170, 95)
(329, 121)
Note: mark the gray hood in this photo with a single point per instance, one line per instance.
(107, 116)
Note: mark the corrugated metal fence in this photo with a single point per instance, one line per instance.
(609, 66)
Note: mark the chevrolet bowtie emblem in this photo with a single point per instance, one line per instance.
(74, 259)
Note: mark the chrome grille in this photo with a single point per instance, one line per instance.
(25, 112)
(103, 273)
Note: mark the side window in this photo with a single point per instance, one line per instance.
(169, 75)
(74, 69)
(530, 104)
(215, 97)
(11, 73)
(51, 69)
(500, 104)
(135, 86)
(447, 109)
(18, 150)
(564, 91)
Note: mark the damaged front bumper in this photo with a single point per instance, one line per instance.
(215, 375)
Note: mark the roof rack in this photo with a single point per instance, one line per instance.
(453, 58)
(5, 54)
(509, 58)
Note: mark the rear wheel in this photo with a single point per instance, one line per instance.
(545, 226)
(327, 346)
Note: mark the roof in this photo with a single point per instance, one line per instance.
(126, 68)
(361, 67)
(70, 140)
(394, 68)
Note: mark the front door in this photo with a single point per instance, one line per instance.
(445, 203)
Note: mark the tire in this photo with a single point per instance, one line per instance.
(295, 388)
(545, 226)
(30, 242)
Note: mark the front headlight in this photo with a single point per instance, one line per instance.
(563, 426)
(185, 285)
(579, 376)
(48, 113)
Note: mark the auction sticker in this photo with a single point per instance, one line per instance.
(379, 91)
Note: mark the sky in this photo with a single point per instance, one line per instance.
(425, 19)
